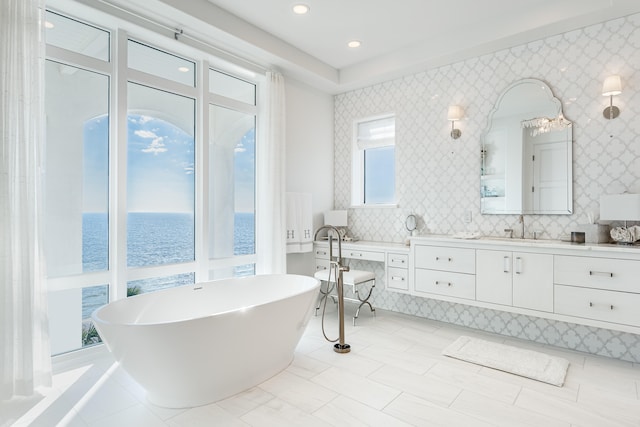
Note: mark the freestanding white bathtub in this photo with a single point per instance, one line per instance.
(197, 344)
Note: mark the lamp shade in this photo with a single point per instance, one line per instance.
(336, 218)
(454, 113)
(620, 207)
(612, 86)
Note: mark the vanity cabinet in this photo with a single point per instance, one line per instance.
(398, 272)
(445, 271)
(519, 279)
(322, 258)
(605, 289)
(589, 284)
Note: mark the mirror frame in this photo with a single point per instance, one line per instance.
(557, 104)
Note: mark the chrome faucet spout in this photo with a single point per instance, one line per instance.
(521, 221)
(332, 228)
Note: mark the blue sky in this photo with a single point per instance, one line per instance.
(160, 164)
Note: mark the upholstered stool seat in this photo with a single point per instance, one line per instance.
(355, 278)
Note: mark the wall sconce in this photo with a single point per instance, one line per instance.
(454, 113)
(611, 87)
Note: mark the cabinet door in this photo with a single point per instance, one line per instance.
(533, 281)
(493, 276)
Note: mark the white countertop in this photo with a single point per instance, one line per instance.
(530, 243)
(368, 245)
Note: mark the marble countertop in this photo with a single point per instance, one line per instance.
(530, 243)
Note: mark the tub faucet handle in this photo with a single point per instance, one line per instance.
(510, 231)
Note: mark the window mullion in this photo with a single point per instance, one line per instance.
(118, 170)
(202, 174)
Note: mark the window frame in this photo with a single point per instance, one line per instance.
(358, 166)
(120, 75)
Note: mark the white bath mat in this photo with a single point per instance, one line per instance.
(526, 363)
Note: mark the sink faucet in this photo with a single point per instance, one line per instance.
(521, 221)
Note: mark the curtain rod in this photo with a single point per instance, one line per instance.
(179, 33)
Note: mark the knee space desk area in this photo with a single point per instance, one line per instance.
(395, 257)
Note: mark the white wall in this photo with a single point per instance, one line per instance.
(438, 178)
(309, 156)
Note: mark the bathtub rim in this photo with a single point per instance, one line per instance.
(96, 318)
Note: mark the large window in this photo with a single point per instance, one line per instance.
(374, 171)
(153, 191)
(160, 177)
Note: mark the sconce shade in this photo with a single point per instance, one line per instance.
(620, 207)
(336, 218)
(612, 86)
(454, 113)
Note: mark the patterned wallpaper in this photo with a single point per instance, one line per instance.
(438, 178)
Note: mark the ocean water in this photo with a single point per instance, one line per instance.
(152, 239)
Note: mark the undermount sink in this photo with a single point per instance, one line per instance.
(515, 239)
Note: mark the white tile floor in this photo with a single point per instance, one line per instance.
(394, 376)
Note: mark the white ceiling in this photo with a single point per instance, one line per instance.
(398, 36)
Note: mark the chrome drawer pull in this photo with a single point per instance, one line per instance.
(443, 283)
(448, 259)
(610, 305)
(397, 278)
(320, 253)
(355, 254)
(401, 261)
(600, 273)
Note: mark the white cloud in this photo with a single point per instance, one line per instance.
(145, 134)
(156, 146)
(239, 148)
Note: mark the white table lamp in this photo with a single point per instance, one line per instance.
(339, 220)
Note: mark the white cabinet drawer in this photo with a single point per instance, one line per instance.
(601, 273)
(322, 264)
(608, 306)
(397, 278)
(366, 255)
(459, 260)
(445, 283)
(397, 260)
(323, 253)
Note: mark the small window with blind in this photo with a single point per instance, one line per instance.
(374, 165)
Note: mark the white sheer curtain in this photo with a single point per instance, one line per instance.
(25, 361)
(271, 218)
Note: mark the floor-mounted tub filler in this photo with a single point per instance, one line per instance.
(192, 345)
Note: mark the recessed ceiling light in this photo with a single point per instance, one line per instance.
(48, 25)
(300, 9)
(354, 43)
(183, 69)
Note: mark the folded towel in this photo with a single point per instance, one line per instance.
(299, 223)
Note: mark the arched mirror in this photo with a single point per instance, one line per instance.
(526, 153)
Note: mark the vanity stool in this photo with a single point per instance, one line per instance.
(355, 278)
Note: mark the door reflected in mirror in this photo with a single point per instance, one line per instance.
(526, 153)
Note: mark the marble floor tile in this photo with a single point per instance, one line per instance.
(395, 375)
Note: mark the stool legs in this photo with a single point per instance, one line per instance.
(363, 301)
